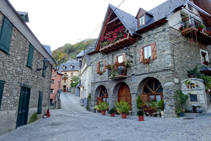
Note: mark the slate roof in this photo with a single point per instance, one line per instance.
(72, 62)
(48, 48)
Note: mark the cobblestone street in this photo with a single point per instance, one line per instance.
(74, 123)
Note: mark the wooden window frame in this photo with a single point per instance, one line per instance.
(153, 52)
(138, 19)
(104, 66)
(140, 23)
(206, 58)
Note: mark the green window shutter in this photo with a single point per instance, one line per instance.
(5, 35)
(43, 73)
(30, 56)
(1, 90)
(39, 108)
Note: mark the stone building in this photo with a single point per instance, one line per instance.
(68, 69)
(158, 53)
(23, 89)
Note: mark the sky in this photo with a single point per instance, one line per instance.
(57, 22)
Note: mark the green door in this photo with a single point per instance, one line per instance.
(39, 108)
(23, 106)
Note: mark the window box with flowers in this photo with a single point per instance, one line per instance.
(200, 26)
(206, 63)
(113, 36)
(146, 61)
(185, 18)
(207, 32)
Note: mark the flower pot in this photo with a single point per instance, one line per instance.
(140, 118)
(187, 86)
(113, 114)
(124, 115)
(103, 112)
(162, 113)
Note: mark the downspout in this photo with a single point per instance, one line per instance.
(49, 88)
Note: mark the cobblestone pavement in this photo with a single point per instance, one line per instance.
(74, 123)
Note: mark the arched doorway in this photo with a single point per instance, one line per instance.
(153, 90)
(103, 96)
(124, 94)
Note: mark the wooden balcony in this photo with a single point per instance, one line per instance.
(193, 32)
(120, 74)
(65, 77)
(118, 44)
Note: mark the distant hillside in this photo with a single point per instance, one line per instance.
(71, 50)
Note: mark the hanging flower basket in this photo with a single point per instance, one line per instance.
(109, 66)
(146, 61)
(185, 18)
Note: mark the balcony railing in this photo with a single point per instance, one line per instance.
(120, 73)
(65, 77)
(196, 32)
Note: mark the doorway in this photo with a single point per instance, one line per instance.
(124, 94)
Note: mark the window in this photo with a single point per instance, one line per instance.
(64, 81)
(190, 7)
(142, 20)
(101, 66)
(52, 91)
(72, 73)
(52, 81)
(1, 90)
(204, 56)
(148, 52)
(193, 97)
(30, 56)
(39, 108)
(44, 71)
(5, 35)
(120, 59)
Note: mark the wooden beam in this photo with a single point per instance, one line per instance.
(113, 20)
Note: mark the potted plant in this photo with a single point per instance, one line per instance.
(185, 18)
(145, 61)
(122, 108)
(206, 62)
(112, 112)
(161, 106)
(140, 114)
(180, 101)
(109, 66)
(199, 26)
(187, 83)
(103, 106)
(181, 28)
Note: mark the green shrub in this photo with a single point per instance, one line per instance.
(111, 111)
(139, 102)
(103, 106)
(122, 107)
(161, 105)
(33, 118)
(140, 113)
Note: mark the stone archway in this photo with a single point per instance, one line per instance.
(124, 94)
(152, 89)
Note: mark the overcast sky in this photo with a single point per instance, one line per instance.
(57, 22)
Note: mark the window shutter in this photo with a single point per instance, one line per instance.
(5, 35)
(98, 67)
(39, 108)
(124, 56)
(1, 90)
(115, 61)
(141, 54)
(30, 56)
(43, 73)
(104, 65)
(154, 53)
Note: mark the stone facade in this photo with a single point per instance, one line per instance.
(174, 58)
(14, 72)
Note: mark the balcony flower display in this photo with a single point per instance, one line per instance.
(199, 26)
(113, 36)
(207, 32)
(145, 61)
(181, 28)
(109, 66)
(206, 62)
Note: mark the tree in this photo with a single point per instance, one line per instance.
(75, 79)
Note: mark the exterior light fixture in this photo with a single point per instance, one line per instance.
(45, 60)
(127, 51)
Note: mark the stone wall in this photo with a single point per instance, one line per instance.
(13, 71)
(137, 74)
(174, 58)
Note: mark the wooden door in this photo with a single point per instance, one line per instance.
(23, 106)
(124, 95)
(64, 88)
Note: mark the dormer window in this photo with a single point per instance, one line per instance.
(71, 66)
(63, 66)
(142, 20)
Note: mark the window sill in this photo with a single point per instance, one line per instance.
(29, 67)
(5, 52)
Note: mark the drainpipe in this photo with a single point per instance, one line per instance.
(49, 89)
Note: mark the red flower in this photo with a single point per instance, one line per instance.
(125, 35)
(196, 23)
(200, 28)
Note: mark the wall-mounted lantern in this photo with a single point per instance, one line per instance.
(45, 60)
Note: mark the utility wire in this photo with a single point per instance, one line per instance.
(93, 31)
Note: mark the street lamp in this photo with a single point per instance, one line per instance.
(127, 51)
(45, 60)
